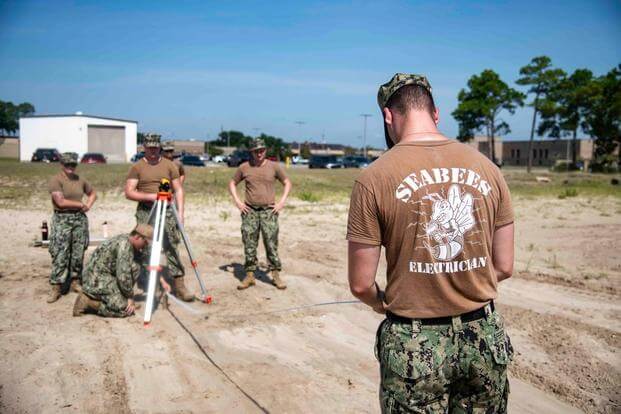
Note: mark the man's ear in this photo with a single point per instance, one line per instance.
(436, 116)
(387, 116)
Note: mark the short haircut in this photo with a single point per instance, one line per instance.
(135, 233)
(411, 97)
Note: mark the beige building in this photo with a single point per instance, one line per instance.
(9, 147)
(481, 143)
(546, 152)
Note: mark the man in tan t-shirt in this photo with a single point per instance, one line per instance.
(143, 181)
(69, 237)
(168, 152)
(259, 212)
(442, 211)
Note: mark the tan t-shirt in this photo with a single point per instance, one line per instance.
(179, 165)
(434, 206)
(149, 176)
(72, 187)
(260, 191)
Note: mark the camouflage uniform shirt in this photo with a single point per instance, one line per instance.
(113, 268)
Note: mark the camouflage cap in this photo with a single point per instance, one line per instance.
(151, 140)
(69, 158)
(145, 230)
(256, 143)
(168, 146)
(397, 82)
(393, 85)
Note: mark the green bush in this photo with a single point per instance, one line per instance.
(308, 196)
(568, 192)
(563, 166)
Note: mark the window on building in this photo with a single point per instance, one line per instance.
(534, 152)
(545, 154)
(518, 153)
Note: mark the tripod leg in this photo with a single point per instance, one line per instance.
(154, 259)
(151, 213)
(186, 242)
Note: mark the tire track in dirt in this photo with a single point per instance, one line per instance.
(574, 360)
(115, 383)
(573, 282)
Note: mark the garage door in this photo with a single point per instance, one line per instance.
(109, 140)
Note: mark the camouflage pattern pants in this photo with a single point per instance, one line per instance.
(170, 245)
(456, 368)
(113, 303)
(264, 222)
(68, 242)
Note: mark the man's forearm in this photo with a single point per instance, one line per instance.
(233, 192)
(69, 204)
(500, 275)
(91, 199)
(370, 296)
(140, 196)
(285, 192)
(180, 200)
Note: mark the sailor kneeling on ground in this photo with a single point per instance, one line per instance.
(109, 278)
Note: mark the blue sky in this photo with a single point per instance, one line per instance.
(187, 68)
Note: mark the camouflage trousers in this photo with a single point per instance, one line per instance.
(265, 223)
(455, 368)
(170, 245)
(68, 241)
(113, 303)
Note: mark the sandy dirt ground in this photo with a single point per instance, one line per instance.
(243, 353)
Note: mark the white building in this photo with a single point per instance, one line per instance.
(115, 138)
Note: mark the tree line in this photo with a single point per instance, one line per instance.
(562, 104)
(10, 114)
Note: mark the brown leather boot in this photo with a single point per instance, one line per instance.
(277, 281)
(247, 282)
(181, 291)
(76, 285)
(55, 293)
(83, 304)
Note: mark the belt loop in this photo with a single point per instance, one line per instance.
(456, 323)
(416, 326)
(488, 310)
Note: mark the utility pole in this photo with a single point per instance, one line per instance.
(300, 123)
(364, 136)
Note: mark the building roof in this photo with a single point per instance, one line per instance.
(79, 115)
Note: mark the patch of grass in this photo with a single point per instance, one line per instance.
(26, 182)
(224, 215)
(568, 192)
(553, 262)
(309, 196)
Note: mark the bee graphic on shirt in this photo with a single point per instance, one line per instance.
(451, 218)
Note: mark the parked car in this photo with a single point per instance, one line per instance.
(355, 161)
(93, 158)
(193, 160)
(299, 160)
(138, 156)
(238, 157)
(219, 158)
(325, 161)
(45, 155)
(204, 157)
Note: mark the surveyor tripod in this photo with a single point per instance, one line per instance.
(165, 200)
